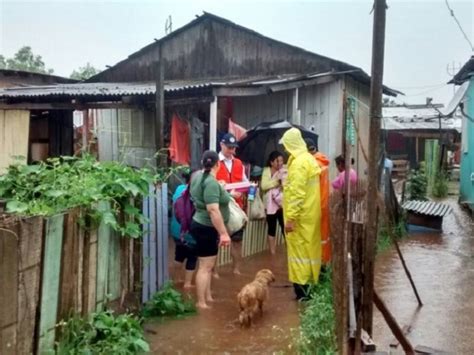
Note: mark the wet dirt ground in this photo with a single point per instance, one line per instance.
(216, 331)
(442, 266)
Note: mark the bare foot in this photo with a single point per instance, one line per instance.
(210, 299)
(202, 306)
(237, 272)
(188, 286)
(216, 275)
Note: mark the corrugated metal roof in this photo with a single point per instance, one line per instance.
(402, 118)
(148, 88)
(101, 89)
(429, 208)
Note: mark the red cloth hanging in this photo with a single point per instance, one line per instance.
(179, 146)
(236, 130)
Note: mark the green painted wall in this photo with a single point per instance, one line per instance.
(467, 150)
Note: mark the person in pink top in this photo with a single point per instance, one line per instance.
(338, 182)
(273, 176)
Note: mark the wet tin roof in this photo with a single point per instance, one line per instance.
(429, 208)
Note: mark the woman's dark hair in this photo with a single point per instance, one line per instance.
(187, 177)
(341, 160)
(273, 155)
(209, 160)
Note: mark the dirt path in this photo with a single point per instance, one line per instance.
(442, 266)
(216, 331)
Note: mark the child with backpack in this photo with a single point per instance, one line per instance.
(183, 211)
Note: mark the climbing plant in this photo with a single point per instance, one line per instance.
(59, 184)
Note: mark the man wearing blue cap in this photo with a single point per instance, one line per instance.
(231, 170)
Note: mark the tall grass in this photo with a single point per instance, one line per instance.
(317, 327)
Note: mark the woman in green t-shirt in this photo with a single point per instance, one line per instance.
(208, 227)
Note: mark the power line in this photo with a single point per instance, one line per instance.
(459, 25)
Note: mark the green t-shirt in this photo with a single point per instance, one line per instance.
(206, 192)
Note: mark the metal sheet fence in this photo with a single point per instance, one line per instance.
(155, 241)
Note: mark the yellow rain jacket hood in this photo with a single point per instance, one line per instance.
(302, 206)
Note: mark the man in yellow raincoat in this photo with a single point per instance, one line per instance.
(302, 214)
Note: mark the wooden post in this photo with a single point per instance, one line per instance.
(160, 110)
(296, 119)
(402, 259)
(85, 131)
(213, 125)
(417, 150)
(392, 323)
(376, 87)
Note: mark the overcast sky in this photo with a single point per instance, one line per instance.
(422, 38)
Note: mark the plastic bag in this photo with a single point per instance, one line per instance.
(237, 218)
(257, 208)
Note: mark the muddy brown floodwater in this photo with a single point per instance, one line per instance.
(216, 331)
(442, 266)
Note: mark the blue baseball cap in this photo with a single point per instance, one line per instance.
(229, 140)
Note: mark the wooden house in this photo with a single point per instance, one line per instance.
(213, 70)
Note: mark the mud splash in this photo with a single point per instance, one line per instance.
(442, 266)
(217, 331)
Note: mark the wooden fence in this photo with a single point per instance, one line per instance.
(254, 242)
(51, 268)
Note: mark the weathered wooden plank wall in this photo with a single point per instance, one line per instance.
(361, 93)
(67, 278)
(14, 126)
(321, 112)
(8, 291)
(50, 282)
(126, 135)
(252, 110)
(218, 48)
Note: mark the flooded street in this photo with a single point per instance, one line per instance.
(217, 330)
(442, 266)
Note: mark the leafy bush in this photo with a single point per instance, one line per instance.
(103, 333)
(417, 185)
(384, 241)
(168, 302)
(317, 320)
(440, 185)
(59, 184)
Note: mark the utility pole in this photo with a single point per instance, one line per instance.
(376, 88)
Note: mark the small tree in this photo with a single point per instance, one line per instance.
(417, 184)
(85, 72)
(25, 60)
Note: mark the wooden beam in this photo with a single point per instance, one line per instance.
(159, 110)
(189, 101)
(302, 83)
(295, 111)
(240, 91)
(67, 106)
(392, 323)
(213, 125)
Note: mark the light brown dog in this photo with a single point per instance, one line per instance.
(253, 295)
